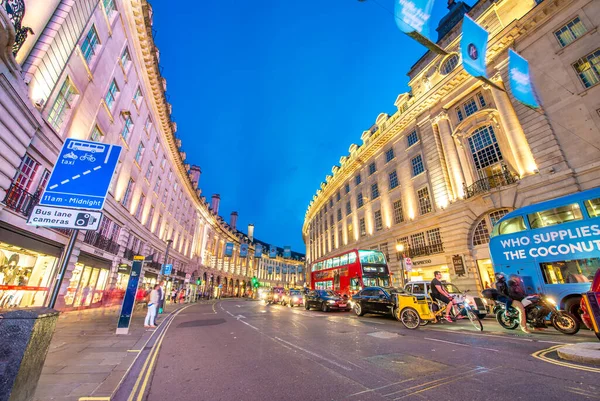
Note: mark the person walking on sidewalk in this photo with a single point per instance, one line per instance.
(152, 306)
(161, 300)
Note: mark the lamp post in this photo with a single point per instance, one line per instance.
(400, 257)
(169, 242)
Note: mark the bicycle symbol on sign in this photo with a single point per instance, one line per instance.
(89, 157)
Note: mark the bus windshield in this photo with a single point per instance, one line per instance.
(371, 257)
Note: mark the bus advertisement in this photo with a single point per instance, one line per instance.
(554, 246)
(349, 272)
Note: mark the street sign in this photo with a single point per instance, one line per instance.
(129, 299)
(81, 175)
(44, 216)
(408, 264)
(168, 269)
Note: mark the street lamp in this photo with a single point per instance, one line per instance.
(400, 257)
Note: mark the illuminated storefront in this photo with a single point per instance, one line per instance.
(88, 282)
(123, 271)
(423, 268)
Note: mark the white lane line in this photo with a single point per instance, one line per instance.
(229, 313)
(339, 365)
(86, 172)
(53, 186)
(64, 181)
(108, 154)
(461, 345)
(507, 337)
(75, 177)
(248, 324)
(97, 168)
(369, 321)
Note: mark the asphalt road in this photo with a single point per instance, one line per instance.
(246, 350)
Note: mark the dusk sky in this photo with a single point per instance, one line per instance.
(268, 95)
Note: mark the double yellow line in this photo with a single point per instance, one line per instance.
(541, 355)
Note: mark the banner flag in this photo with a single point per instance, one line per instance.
(287, 251)
(258, 251)
(243, 250)
(412, 18)
(229, 249)
(520, 80)
(272, 251)
(473, 46)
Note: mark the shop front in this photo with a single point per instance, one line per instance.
(150, 278)
(27, 266)
(424, 267)
(88, 283)
(123, 272)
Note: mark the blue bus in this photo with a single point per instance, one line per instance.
(554, 246)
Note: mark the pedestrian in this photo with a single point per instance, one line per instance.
(153, 299)
(174, 296)
(161, 300)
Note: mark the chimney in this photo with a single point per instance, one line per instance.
(233, 220)
(214, 205)
(251, 232)
(195, 173)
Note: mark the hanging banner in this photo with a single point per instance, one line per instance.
(473, 46)
(272, 251)
(520, 80)
(412, 18)
(243, 250)
(229, 249)
(270, 269)
(287, 251)
(258, 251)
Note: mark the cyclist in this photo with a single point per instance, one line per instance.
(439, 293)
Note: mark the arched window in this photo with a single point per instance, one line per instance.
(450, 64)
(481, 234)
(485, 151)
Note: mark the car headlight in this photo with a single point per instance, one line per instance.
(331, 301)
(295, 299)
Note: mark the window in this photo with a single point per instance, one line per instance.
(125, 58)
(470, 107)
(374, 191)
(62, 104)
(593, 207)
(139, 155)
(339, 214)
(349, 231)
(434, 238)
(378, 220)
(157, 184)
(89, 44)
(150, 218)
(127, 129)
(163, 162)
(571, 31)
(393, 179)
(149, 171)
(357, 179)
(554, 216)
(156, 146)
(111, 95)
(372, 168)
(338, 196)
(109, 6)
(389, 154)
(96, 135)
(588, 69)
(412, 138)
(363, 227)
(424, 200)
(398, 212)
(359, 200)
(26, 172)
(331, 203)
(510, 226)
(459, 114)
(481, 234)
(128, 192)
(448, 65)
(347, 188)
(417, 242)
(170, 176)
(348, 208)
(140, 207)
(482, 102)
(484, 149)
(331, 219)
(137, 98)
(417, 165)
(570, 271)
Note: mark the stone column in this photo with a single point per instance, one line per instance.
(515, 135)
(457, 177)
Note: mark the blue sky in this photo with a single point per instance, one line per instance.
(268, 95)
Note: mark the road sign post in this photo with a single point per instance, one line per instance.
(129, 298)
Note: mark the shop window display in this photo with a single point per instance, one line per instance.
(24, 276)
(86, 286)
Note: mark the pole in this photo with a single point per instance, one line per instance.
(63, 268)
(169, 242)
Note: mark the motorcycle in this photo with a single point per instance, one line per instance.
(541, 312)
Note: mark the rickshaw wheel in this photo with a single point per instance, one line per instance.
(410, 318)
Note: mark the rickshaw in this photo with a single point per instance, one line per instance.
(419, 310)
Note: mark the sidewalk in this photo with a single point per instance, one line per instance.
(86, 357)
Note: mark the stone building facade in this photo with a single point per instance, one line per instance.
(458, 154)
(89, 69)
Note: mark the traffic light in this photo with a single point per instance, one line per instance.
(198, 281)
(254, 282)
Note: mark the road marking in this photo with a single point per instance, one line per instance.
(380, 388)
(541, 355)
(238, 317)
(134, 350)
(97, 168)
(86, 172)
(248, 324)
(76, 176)
(461, 345)
(507, 337)
(94, 398)
(229, 313)
(64, 181)
(339, 365)
(370, 321)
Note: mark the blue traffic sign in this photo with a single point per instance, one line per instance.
(168, 269)
(81, 175)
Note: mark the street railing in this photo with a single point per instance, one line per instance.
(19, 200)
(486, 184)
(101, 242)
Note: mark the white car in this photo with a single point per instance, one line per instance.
(478, 305)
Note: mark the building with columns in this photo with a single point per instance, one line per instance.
(89, 69)
(457, 154)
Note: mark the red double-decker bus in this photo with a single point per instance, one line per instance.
(348, 272)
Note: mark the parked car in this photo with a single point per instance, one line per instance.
(325, 300)
(380, 300)
(293, 298)
(275, 295)
(478, 305)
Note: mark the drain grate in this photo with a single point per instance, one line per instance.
(201, 323)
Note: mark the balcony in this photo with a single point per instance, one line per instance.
(101, 242)
(129, 254)
(486, 184)
(415, 252)
(154, 265)
(21, 201)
